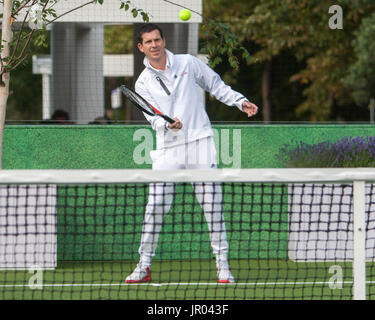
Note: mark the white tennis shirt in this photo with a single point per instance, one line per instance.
(176, 91)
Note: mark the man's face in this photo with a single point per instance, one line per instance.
(153, 46)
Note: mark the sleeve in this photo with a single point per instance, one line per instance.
(211, 82)
(157, 123)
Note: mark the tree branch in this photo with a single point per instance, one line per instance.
(21, 7)
(74, 9)
(18, 38)
(17, 64)
(183, 7)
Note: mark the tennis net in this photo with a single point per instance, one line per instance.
(292, 233)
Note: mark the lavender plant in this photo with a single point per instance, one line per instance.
(347, 152)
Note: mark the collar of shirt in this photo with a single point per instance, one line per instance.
(168, 66)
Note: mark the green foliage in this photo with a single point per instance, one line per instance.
(25, 100)
(221, 39)
(223, 42)
(302, 26)
(127, 5)
(361, 77)
(322, 57)
(285, 96)
(118, 39)
(357, 3)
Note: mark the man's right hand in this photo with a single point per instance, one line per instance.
(177, 124)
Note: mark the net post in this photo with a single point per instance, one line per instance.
(359, 239)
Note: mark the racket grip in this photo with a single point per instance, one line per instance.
(168, 119)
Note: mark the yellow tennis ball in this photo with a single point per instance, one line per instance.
(185, 14)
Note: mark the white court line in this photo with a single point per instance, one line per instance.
(177, 284)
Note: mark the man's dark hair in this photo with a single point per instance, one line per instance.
(148, 27)
(60, 115)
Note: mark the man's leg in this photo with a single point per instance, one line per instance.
(202, 155)
(209, 196)
(159, 202)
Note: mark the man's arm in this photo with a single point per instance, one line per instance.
(157, 123)
(211, 82)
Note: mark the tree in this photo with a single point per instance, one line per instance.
(244, 79)
(361, 77)
(302, 26)
(296, 34)
(264, 81)
(6, 39)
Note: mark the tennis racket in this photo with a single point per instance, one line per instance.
(142, 104)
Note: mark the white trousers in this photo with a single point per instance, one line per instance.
(200, 154)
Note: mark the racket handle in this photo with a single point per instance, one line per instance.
(168, 119)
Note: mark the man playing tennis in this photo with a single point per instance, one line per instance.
(173, 83)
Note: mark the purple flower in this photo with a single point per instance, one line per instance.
(344, 152)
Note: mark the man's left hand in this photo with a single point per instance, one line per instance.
(249, 108)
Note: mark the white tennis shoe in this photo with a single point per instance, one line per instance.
(224, 275)
(140, 274)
